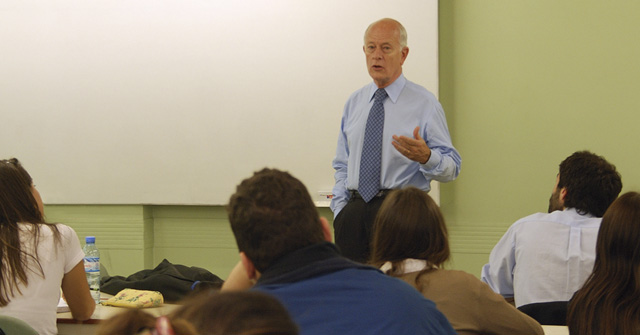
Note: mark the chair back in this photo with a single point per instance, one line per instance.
(553, 313)
(13, 326)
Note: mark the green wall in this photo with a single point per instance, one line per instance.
(135, 237)
(124, 234)
(524, 84)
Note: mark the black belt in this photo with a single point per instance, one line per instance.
(380, 194)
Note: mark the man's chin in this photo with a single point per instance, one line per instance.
(381, 81)
(377, 74)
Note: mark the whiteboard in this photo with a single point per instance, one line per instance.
(175, 102)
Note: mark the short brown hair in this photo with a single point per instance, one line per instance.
(271, 215)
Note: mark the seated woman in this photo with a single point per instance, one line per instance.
(209, 313)
(410, 242)
(37, 258)
(609, 301)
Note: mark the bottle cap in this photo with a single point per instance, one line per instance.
(90, 239)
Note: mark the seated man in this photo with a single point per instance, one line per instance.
(286, 248)
(547, 257)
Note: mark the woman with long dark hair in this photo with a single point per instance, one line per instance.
(410, 241)
(609, 301)
(37, 258)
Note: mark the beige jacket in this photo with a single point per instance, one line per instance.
(470, 305)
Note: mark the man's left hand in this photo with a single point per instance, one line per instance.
(415, 148)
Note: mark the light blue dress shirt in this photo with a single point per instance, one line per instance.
(543, 257)
(409, 105)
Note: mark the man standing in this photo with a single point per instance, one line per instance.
(285, 248)
(546, 257)
(393, 133)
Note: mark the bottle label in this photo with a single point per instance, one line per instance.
(92, 264)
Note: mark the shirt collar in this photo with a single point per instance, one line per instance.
(408, 265)
(393, 90)
(575, 211)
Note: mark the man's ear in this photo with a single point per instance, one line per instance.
(326, 230)
(563, 195)
(249, 268)
(404, 53)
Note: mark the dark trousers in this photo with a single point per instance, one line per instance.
(353, 227)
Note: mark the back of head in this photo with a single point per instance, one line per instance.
(591, 182)
(17, 202)
(139, 322)
(409, 224)
(130, 322)
(271, 215)
(236, 312)
(610, 298)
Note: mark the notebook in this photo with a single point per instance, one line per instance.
(62, 305)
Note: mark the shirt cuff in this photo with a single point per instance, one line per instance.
(433, 161)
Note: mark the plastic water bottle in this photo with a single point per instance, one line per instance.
(92, 266)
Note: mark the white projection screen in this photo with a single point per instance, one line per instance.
(175, 102)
